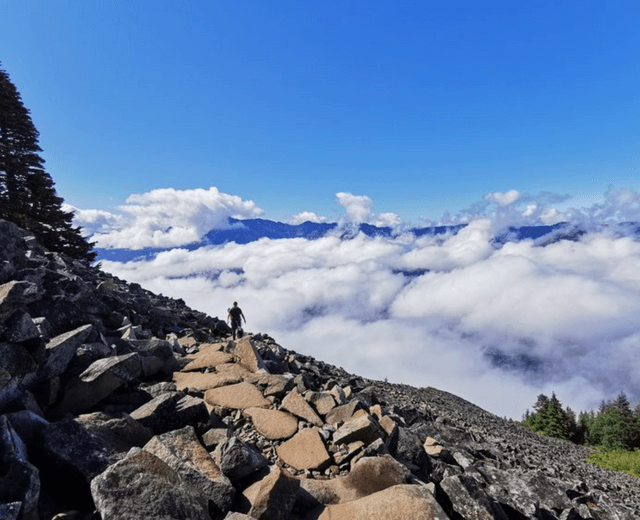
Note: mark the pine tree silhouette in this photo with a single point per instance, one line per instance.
(27, 193)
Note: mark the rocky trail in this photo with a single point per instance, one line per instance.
(116, 403)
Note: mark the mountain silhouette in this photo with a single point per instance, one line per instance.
(250, 230)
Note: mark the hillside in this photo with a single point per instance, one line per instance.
(117, 403)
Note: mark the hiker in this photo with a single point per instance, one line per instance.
(235, 318)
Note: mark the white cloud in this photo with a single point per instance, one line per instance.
(482, 323)
(504, 199)
(358, 210)
(168, 218)
(451, 311)
(307, 216)
(619, 205)
(530, 210)
(551, 216)
(94, 221)
(387, 220)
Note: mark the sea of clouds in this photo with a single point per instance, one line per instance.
(496, 325)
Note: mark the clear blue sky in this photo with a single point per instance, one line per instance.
(421, 105)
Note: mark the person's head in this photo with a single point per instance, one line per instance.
(235, 304)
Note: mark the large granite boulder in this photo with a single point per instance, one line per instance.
(182, 451)
(98, 381)
(143, 486)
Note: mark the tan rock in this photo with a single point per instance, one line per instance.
(359, 413)
(207, 358)
(239, 396)
(273, 424)
(248, 356)
(340, 414)
(323, 402)
(272, 497)
(338, 394)
(434, 451)
(212, 346)
(234, 368)
(369, 475)
(347, 453)
(297, 405)
(388, 425)
(215, 436)
(200, 381)
(361, 428)
(305, 451)
(274, 384)
(395, 503)
(376, 410)
(187, 341)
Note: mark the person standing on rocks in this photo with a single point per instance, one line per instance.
(235, 318)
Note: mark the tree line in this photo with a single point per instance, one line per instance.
(27, 193)
(615, 425)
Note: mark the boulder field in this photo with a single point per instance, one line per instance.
(118, 404)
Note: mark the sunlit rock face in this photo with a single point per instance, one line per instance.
(118, 403)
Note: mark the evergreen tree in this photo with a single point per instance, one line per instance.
(551, 419)
(616, 426)
(622, 404)
(541, 402)
(27, 194)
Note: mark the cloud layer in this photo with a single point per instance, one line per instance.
(496, 326)
(164, 218)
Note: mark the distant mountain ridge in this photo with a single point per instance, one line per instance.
(252, 230)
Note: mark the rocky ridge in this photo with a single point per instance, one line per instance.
(117, 403)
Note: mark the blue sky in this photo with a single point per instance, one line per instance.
(159, 119)
(422, 106)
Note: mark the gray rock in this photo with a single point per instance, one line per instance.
(19, 479)
(73, 448)
(20, 328)
(118, 433)
(16, 294)
(62, 348)
(10, 390)
(10, 511)
(13, 250)
(468, 499)
(142, 486)
(410, 452)
(45, 331)
(97, 382)
(239, 460)
(182, 451)
(171, 411)
(27, 424)
(16, 360)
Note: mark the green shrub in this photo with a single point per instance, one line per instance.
(617, 460)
